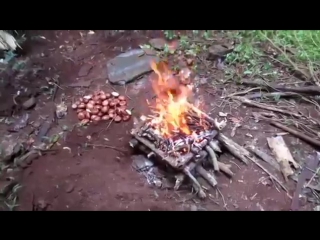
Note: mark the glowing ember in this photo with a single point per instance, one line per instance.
(171, 103)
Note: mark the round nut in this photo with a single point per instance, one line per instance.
(92, 102)
(105, 103)
(111, 111)
(89, 106)
(85, 121)
(105, 117)
(95, 111)
(112, 103)
(81, 116)
(117, 119)
(126, 118)
(122, 98)
(88, 115)
(111, 115)
(116, 101)
(96, 98)
(81, 105)
(122, 103)
(104, 109)
(74, 106)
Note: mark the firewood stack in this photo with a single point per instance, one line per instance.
(186, 153)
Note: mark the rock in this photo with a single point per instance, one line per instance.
(25, 160)
(20, 123)
(9, 149)
(141, 163)
(30, 103)
(69, 188)
(6, 187)
(149, 51)
(61, 110)
(158, 43)
(218, 51)
(129, 66)
(84, 70)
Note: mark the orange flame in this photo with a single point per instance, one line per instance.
(171, 103)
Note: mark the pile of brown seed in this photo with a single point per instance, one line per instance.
(102, 106)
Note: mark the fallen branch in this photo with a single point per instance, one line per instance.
(243, 154)
(296, 133)
(270, 175)
(267, 107)
(264, 156)
(310, 90)
(273, 94)
(106, 146)
(241, 93)
(234, 148)
(226, 168)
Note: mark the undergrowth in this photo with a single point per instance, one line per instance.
(300, 45)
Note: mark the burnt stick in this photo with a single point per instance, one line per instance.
(226, 169)
(214, 144)
(234, 148)
(174, 162)
(207, 176)
(213, 158)
(195, 183)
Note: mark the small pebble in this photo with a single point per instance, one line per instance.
(69, 188)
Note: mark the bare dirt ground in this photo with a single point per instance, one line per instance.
(95, 178)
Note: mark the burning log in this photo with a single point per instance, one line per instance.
(182, 136)
(174, 162)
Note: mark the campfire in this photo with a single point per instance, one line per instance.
(179, 133)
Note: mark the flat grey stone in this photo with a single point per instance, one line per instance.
(158, 43)
(129, 66)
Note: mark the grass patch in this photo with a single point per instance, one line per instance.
(300, 45)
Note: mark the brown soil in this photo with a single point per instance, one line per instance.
(102, 178)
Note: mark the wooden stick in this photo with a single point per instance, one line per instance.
(265, 157)
(226, 168)
(270, 174)
(266, 107)
(234, 148)
(272, 94)
(207, 176)
(311, 90)
(177, 163)
(213, 157)
(296, 133)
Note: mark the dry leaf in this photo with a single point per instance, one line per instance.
(282, 155)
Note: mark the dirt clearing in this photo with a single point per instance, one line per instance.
(91, 167)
